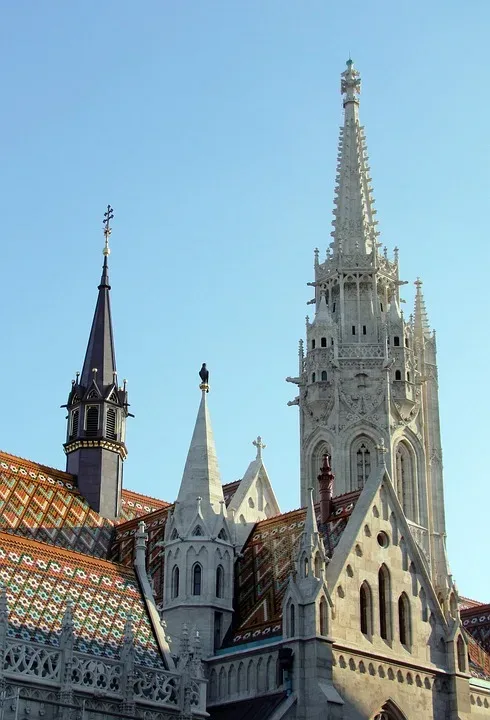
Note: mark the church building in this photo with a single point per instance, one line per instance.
(217, 604)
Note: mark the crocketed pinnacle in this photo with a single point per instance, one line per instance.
(420, 318)
(354, 224)
(201, 477)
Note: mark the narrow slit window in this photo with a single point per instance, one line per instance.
(219, 581)
(365, 608)
(175, 582)
(324, 376)
(364, 330)
(324, 342)
(313, 344)
(196, 579)
(384, 603)
(353, 329)
(313, 377)
(396, 341)
(404, 620)
(398, 375)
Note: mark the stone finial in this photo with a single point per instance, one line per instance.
(260, 446)
(197, 669)
(350, 83)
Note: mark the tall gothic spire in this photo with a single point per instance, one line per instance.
(354, 224)
(98, 408)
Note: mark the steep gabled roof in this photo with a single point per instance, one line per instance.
(40, 580)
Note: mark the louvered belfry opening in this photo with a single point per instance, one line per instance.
(111, 424)
(75, 417)
(92, 421)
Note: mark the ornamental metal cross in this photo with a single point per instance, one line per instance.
(260, 446)
(108, 216)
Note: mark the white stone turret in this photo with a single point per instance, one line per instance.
(199, 546)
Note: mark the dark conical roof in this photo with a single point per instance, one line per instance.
(100, 349)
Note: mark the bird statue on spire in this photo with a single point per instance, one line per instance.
(204, 375)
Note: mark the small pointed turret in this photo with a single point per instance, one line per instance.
(354, 223)
(201, 477)
(98, 408)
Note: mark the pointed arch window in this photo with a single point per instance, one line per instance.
(175, 582)
(405, 489)
(363, 464)
(366, 609)
(292, 620)
(74, 420)
(92, 420)
(461, 654)
(222, 535)
(111, 424)
(404, 620)
(384, 603)
(196, 579)
(220, 578)
(323, 616)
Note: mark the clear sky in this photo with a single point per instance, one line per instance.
(212, 127)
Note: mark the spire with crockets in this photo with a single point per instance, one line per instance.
(354, 224)
(98, 408)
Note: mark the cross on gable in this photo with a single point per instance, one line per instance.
(260, 446)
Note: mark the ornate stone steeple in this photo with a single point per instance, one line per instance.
(366, 373)
(354, 223)
(98, 408)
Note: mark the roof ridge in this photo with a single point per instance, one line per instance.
(280, 515)
(144, 495)
(34, 463)
(128, 523)
(56, 549)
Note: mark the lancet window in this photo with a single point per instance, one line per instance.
(196, 579)
(384, 603)
(175, 582)
(405, 481)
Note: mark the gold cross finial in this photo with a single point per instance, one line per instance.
(108, 216)
(260, 446)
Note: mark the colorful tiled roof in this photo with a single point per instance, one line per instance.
(267, 562)
(44, 504)
(476, 621)
(479, 659)
(41, 579)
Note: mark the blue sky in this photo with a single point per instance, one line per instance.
(212, 127)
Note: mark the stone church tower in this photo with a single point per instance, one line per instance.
(367, 375)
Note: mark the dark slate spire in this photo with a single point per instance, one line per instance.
(98, 408)
(100, 349)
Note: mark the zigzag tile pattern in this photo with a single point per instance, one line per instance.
(40, 580)
(44, 504)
